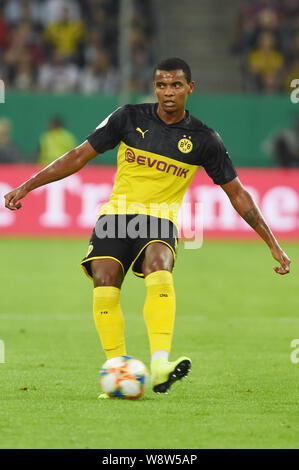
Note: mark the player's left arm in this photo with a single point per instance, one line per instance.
(244, 204)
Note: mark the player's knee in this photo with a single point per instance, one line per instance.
(160, 263)
(106, 275)
(103, 279)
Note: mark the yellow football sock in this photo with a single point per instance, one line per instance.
(109, 320)
(159, 310)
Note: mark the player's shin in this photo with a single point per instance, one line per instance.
(109, 320)
(159, 311)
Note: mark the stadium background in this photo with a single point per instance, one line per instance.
(80, 70)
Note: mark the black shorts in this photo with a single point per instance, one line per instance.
(124, 237)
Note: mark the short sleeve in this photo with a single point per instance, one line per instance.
(108, 133)
(217, 162)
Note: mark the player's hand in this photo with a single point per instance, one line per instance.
(283, 260)
(12, 198)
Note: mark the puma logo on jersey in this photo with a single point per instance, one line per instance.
(141, 132)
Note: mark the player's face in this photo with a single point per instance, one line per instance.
(172, 90)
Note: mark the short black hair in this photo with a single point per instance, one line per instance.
(174, 63)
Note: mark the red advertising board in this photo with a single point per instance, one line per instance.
(69, 207)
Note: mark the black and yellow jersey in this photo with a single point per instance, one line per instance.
(156, 162)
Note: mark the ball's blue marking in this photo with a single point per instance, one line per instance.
(103, 372)
(118, 393)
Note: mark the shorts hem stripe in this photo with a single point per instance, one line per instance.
(143, 248)
(99, 257)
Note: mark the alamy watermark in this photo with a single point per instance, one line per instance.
(135, 220)
(2, 91)
(295, 93)
(2, 352)
(295, 354)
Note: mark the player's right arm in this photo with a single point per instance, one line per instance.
(69, 163)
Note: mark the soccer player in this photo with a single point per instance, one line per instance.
(161, 147)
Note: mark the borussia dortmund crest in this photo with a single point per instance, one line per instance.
(185, 145)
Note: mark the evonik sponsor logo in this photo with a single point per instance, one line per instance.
(159, 165)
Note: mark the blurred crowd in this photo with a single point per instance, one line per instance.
(283, 145)
(71, 45)
(266, 38)
(55, 141)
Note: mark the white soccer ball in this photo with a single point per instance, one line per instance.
(124, 377)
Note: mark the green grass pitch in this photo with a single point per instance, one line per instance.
(235, 318)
